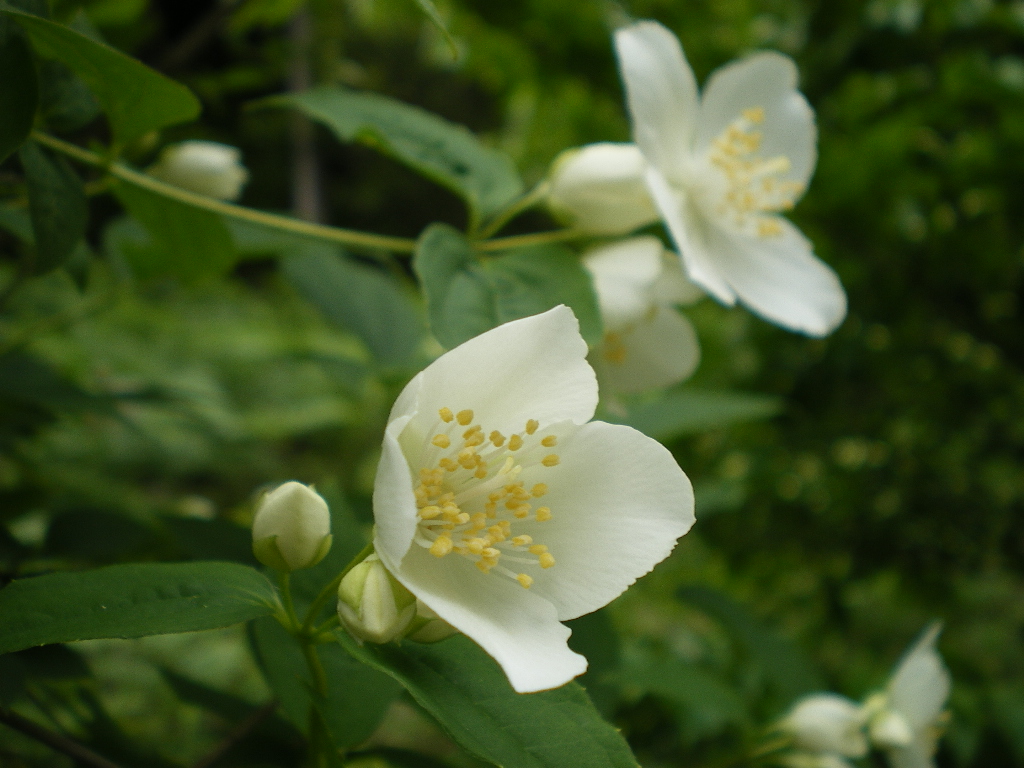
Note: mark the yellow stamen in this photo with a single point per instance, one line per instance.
(441, 441)
(542, 514)
(481, 473)
(450, 465)
(531, 426)
(522, 541)
(550, 460)
(515, 443)
(539, 490)
(547, 560)
(446, 415)
(754, 114)
(497, 438)
(464, 417)
(549, 442)
(442, 546)
(429, 513)
(538, 549)
(476, 546)
(524, 580)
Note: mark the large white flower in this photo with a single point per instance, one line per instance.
(647, 343)
(907, 719)
(506, 511)
(721, 167)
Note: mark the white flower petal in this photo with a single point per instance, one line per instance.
(914, 756)
(920, 685)
(624, 275)
(673, 286)
(600, 188)
(533, 368)
(779, 278)
(691, 234)
(619, 502)
(827, 722)
(661, 92)
(658, 351)
(767, 81)
(394, 505)
(516, 626)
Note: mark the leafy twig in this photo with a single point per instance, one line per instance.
(54, 740)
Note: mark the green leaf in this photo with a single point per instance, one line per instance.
(689, 411)
(17, 222)
(130, 601)
(445, 152)
(788, 672)
(431, 12)
(357, 696)
(467, 294)
(185, 242)
(364, 300)
(57, 206)
(135, 98)
(468, 694)
(18, 90)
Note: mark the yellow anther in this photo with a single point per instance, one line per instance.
(496, 533)
(513, 504)
(538, 549)
(522, 541)
(473, 430)
(446, 415)
(481, 473)
(464, 417)
(441, 441)
(484, 565)
(547, 560)
(463, 518)
(550, 460)
(768, 228)
(479, 521)
(524, 580)
(497, 438)
(490, 509)
(754, 114)
(449, 465)
(442, 546)
(429, 513)
(542, 514)
(506, 527)
(515, 443)
(531, 426)
(521, 512)
(490, 553)
(446, 498)
(539, 490)
(476, 546)
(549, 442)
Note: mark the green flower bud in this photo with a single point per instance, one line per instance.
(428, 627)
(291, 529)
(372, 605)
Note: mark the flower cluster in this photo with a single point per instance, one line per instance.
(904, 721)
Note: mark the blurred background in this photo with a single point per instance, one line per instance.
(883, 488)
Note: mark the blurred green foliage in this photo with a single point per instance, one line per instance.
(139, 416)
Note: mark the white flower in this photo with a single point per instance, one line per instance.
(372, 605)
(600, 189)
(721, 168)
(291, 528)
(204, 167)
(647, 343)
(827, 723)
(500, 507)
(907, 719)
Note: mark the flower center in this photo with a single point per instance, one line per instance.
(753, 185)
(470, 496)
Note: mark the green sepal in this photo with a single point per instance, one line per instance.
(268, 553)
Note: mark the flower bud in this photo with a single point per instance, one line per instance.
(291, 528)
(204, 167)
(827, 722)
(600, 189)
(428, 627)
(890, 729)
(372, 605)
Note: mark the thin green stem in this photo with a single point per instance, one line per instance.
(523, 204)
(350, 237)
(284, 581)
(535, 238)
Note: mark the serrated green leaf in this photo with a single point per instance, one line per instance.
(468, 694)
(18, 90)
(131, 600)
(689, 411)
(135, 98)
(357, 696)
(184, 242)
(57, 206)
(467, 294)
(361, 299)
(445, 152)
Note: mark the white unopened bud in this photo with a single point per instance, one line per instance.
(428, 627)
(890, 729)
(827, 722)
(204, 167)
(600, 188)
(372, 605)
(291, 528)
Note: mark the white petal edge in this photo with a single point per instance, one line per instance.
(533, 368)
(394, 504)
(624, 274)
(767, 80)
(780, 278)
(619, 502)
(600, 189)
(690, 232)
(659, 351)
(516, 626)
(920, 685)
(661, 92)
